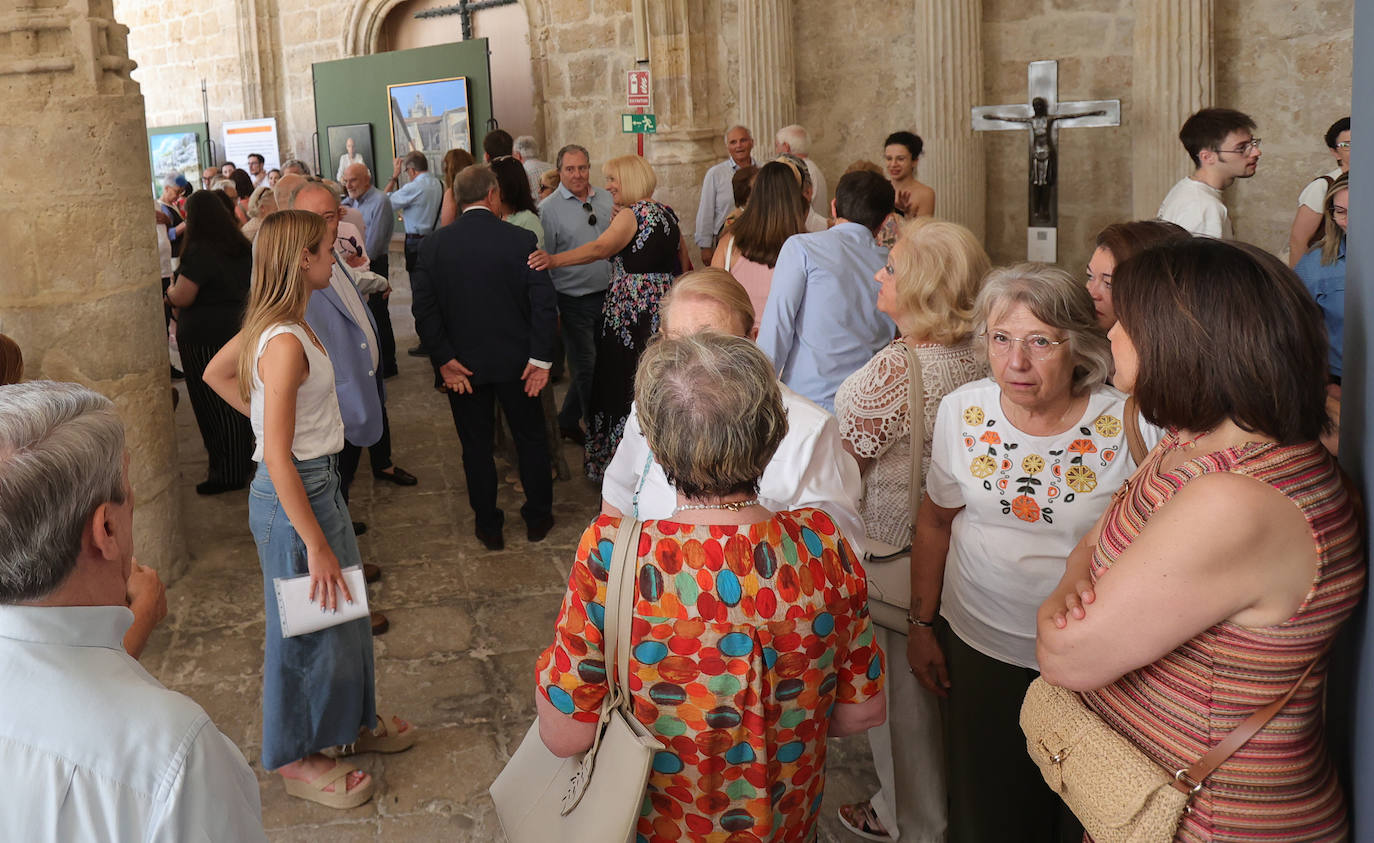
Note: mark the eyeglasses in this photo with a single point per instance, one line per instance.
(591, 218)
(1036, 346)
(1253, 143)
(1342, 144)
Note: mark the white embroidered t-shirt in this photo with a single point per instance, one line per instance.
(1026, 501)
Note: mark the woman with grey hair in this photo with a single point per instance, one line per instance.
(751, 641)
(1022, 465)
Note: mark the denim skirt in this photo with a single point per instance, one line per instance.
(317, 688)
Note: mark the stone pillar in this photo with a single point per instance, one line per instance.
(767, 70)
(689, 137)
(80, 293)
(1173, 75)
(949, 54)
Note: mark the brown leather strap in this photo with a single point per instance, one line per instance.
(1191, 780)
(915, 408)
(1134, 441)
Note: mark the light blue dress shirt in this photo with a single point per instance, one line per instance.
(822, 322)
(419, 203)
(717, 200)
(94, 748)
(1327, 285)
(379, 219)
(566, 227)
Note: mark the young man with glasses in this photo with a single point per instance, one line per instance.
(573, 215)
(1223, 147)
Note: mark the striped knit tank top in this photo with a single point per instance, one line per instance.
(1281, 784)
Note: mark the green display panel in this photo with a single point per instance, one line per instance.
(360, 90)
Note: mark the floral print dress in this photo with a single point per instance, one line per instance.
(640, 276)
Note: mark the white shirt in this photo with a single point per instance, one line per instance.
(319, 425)
(1197, 207)
(94, 748)
(820, 196)
(1026, 501)
(815, 222)
(1315, 193)
(810, 468)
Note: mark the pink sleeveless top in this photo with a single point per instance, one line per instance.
(756, 278)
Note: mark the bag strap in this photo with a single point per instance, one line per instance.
(729, 252)
(915, 408)
(619, 614)
(1190, 780)
(1134, 441)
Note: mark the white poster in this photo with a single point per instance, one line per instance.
(242, 137)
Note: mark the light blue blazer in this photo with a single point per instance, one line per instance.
(356, 382)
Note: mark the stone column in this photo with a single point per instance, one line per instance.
(1173, 75)
(80, 293)
(949, 56)
(767, 70)
(688, 141)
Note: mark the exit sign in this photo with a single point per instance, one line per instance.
(644, 124)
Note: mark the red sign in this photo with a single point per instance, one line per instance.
(637, 89)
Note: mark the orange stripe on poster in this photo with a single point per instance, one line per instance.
(246, 130)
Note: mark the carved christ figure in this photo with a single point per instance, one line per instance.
(1042, 149)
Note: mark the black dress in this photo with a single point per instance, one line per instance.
(640, 275)
(202, 330)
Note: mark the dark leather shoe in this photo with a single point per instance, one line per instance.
(359, 528)
(493, 541)
(397, 475)
(379, 623)
(573, 434)
(417, 351)
(371, 573)
(537, 531)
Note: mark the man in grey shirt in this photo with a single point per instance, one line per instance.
(379, 220)
(573, 215)
(717, 192)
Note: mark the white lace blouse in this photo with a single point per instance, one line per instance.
(871, 407)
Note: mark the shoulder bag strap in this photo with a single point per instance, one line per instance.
(729, 252)
(916, 409)
(1134, 441)
(619, 614)
(1190, 780)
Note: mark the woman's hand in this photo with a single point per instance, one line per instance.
(1075, 603)
(540, 259)
(927, 660)
(325, 575)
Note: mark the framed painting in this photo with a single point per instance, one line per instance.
(351, 144)
(173, 152)
(430, 117)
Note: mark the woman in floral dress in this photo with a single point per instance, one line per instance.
(1022, 465)
(645, 247)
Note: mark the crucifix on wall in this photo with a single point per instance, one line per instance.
(464, 9)
(1044, 115)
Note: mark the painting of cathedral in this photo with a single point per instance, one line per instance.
(430, 117)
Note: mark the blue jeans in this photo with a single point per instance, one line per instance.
(317, 689)
(580, 318)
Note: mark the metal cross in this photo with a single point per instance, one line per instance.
(1044, 116)
(464, 9)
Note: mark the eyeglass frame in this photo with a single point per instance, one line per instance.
(1253, 143)
(1342, 144)
(1032, 352)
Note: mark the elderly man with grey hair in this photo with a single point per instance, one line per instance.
(527, 153)
(717, 192)
(93, 747)
(795, 140)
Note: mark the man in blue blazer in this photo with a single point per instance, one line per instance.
(488, 322)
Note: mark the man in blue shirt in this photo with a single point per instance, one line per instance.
(419, 202)
(379, 220)
(822, 322)
(573, 215)
(717, 193)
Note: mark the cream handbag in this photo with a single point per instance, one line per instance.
(594, 797)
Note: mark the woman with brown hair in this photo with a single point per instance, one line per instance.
(1116, 244)
(1224, 568)
(455, 162)
(775, 212)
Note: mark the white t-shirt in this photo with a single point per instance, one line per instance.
(1197, 207)
(319, 426)
(809, 469)
(815, 222)
(1026, 501)
(1315, 192)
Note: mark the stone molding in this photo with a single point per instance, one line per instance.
(949, 49)
(767, 68)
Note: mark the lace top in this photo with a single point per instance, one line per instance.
(871, 407)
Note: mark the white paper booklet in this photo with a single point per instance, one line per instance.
(300, 615)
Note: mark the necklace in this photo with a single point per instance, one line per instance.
(1191, 443)
(732, 506)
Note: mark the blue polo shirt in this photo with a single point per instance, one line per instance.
(566, 226)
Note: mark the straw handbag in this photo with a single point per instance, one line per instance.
(594, 797)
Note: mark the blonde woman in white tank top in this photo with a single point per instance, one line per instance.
(318, 690)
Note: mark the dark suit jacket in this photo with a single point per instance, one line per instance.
(477, 301)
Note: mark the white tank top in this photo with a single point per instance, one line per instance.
(319, 427)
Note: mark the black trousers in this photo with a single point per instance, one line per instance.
(227, 433)
(474, 416)
(386, 337)
(378, 453)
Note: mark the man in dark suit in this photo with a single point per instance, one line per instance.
(488, 322)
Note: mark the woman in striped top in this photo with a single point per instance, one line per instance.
(1232, 557)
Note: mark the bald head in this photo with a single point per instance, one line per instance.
(356, 180)
(285, 186)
